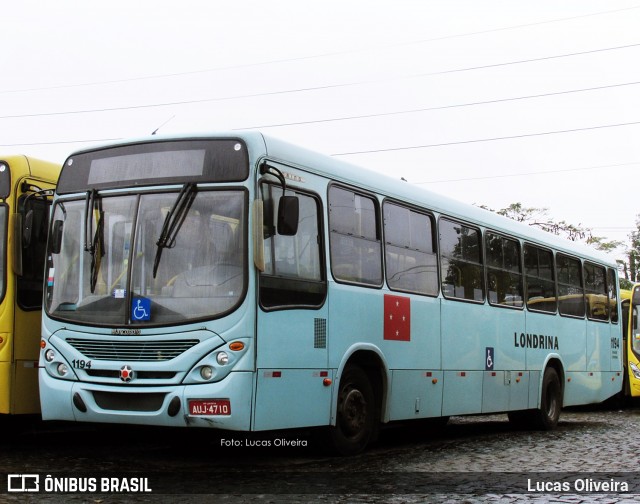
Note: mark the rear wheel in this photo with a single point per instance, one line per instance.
(355, 418)
(547, 416)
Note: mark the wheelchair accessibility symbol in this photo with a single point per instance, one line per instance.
(489, 359)
(141, 309)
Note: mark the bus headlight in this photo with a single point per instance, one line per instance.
(635, 370)
(49, 355)
(206, 372)
(222, 358)
(62, 369)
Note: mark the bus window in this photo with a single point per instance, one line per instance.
(409, 250)
(613, 297)
(504, 271)
(356, 254)
(596, 292)
(293, 272)
(570, 290)
(461, 262)
(541, 288)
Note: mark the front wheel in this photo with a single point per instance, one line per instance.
(355, 419)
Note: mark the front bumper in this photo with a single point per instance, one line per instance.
(162, 406)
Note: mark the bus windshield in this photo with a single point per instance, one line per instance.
(105, 267)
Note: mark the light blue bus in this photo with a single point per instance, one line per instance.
(242, 283)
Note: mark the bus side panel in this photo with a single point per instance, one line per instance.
(553, 334)
(598, 346)
(465, 336)
(520, 390)
(415, 394)
(5, 392)
(26, 399)
(26, 354)
(501, 326)
(291, 367)
(6, 352)
(27, 329)
(505, 391)
(356, 317)
(584, 388)
(462, 392)
(496, 388)
(615, 344)
(416, 386)
(287, 398)
(419, 347)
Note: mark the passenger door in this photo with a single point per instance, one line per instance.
(292, 315)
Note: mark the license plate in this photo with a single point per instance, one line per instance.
(210, 407)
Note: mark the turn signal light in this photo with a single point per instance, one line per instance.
(236, 346)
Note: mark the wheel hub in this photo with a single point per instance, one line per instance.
(354, 411)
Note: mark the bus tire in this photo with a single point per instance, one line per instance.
(546, 418)
(355, 413)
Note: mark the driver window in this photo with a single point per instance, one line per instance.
(293, 272)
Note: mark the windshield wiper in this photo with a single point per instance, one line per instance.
(94, 242)
(173, 221)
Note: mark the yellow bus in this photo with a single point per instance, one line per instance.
(630, 300)
(26, 186)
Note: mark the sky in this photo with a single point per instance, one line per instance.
(492, 102)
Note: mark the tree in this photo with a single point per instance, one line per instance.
(631, 267)
(538, 217)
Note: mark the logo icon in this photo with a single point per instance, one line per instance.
(141, 308)
(126, 373)
(23, 483)
(489, 362)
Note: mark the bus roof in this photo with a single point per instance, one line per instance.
(276, 149)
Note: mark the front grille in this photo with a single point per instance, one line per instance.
(140, 375)
(122, 401)
(131, 351)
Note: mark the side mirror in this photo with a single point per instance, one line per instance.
(5, 180)
(56, 237)
(288, 212)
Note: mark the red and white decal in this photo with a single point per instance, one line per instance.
(397, 318)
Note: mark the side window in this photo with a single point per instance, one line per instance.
(504, 271)
(596, 292)
(356, 250)
(539, 277)
(570, 290)
(35, 215)
(612, 283)
(410, 256)
(293, 272)
(461, 261)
